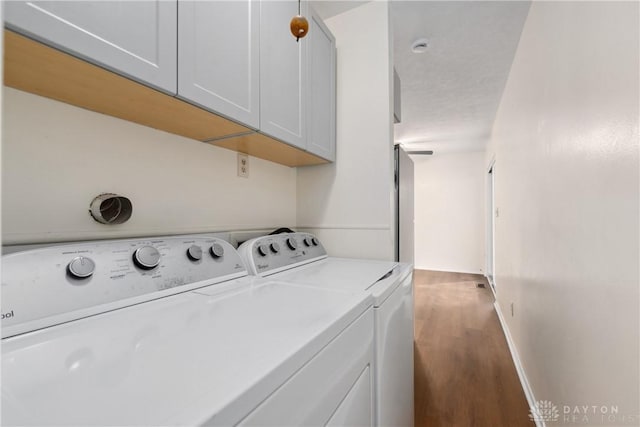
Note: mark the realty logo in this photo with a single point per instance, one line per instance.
(544, 410)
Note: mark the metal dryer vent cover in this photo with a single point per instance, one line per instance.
(110, 208)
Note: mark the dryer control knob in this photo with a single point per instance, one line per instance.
(217, 251)
(81, 267)
(263, 250)
(307, 241)
(275, 248)
(291, 242)
(146, 257)
(315, 241)
(194, 253)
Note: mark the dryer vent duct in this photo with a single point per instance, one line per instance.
(110, 208)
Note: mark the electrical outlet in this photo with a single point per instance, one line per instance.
(243, 165)
(511, 309)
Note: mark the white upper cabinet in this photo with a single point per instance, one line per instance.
(321, 94)
(219, 58)
(134, 38)
(235, 58)
(283, 74)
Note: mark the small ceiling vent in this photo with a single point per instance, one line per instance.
(419, 46)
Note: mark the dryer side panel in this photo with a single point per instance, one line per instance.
(394, 358)
(324, 386)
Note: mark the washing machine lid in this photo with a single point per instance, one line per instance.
(208, 356)
(346, 275)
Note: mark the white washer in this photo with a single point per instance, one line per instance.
(92, 337)
(300, 258)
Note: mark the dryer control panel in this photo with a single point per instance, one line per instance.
(274, 253)
(56, 284)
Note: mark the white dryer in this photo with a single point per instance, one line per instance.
(103, 333)
(300, 258)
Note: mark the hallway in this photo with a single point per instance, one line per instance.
(464, 374)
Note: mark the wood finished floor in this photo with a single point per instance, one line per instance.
(464, 374)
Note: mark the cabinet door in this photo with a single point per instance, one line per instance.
(321, 103)
(218, 57)
(134, 38)
(283, 74)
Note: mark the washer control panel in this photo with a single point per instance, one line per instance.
(271, 254)
(55, 284)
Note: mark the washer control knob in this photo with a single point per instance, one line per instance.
(307, 241)
(217, 251)
(81, 267)
(194, 253)
(146, 257)
(263, 250)
(315, 241)
(275, 248)
(291, 242)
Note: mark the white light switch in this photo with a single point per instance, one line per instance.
(243, 165)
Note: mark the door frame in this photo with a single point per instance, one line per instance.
(490, 254)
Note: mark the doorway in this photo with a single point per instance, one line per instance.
(491, 225)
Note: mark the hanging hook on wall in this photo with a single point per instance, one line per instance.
(299, 25)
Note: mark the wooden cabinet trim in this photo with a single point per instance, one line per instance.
(39, 69)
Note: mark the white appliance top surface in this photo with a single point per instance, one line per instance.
(205, 356)
(55, 284)
(345, 274)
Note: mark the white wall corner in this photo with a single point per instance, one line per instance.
(354, 195)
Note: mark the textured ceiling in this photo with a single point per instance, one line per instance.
(451, 92)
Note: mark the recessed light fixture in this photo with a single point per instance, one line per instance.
(419, 46)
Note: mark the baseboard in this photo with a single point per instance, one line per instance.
(344, 227)
(455, 270)
(492, 287)
(531, 400)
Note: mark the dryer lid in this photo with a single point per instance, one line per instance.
(345, 275)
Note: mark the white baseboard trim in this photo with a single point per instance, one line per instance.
(454, 270)
(344, 227)
(531, 400)
(492, 287)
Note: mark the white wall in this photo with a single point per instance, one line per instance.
(57, 157)
(1, 105)
(565, 141)
(449, 211)
(347, 204)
